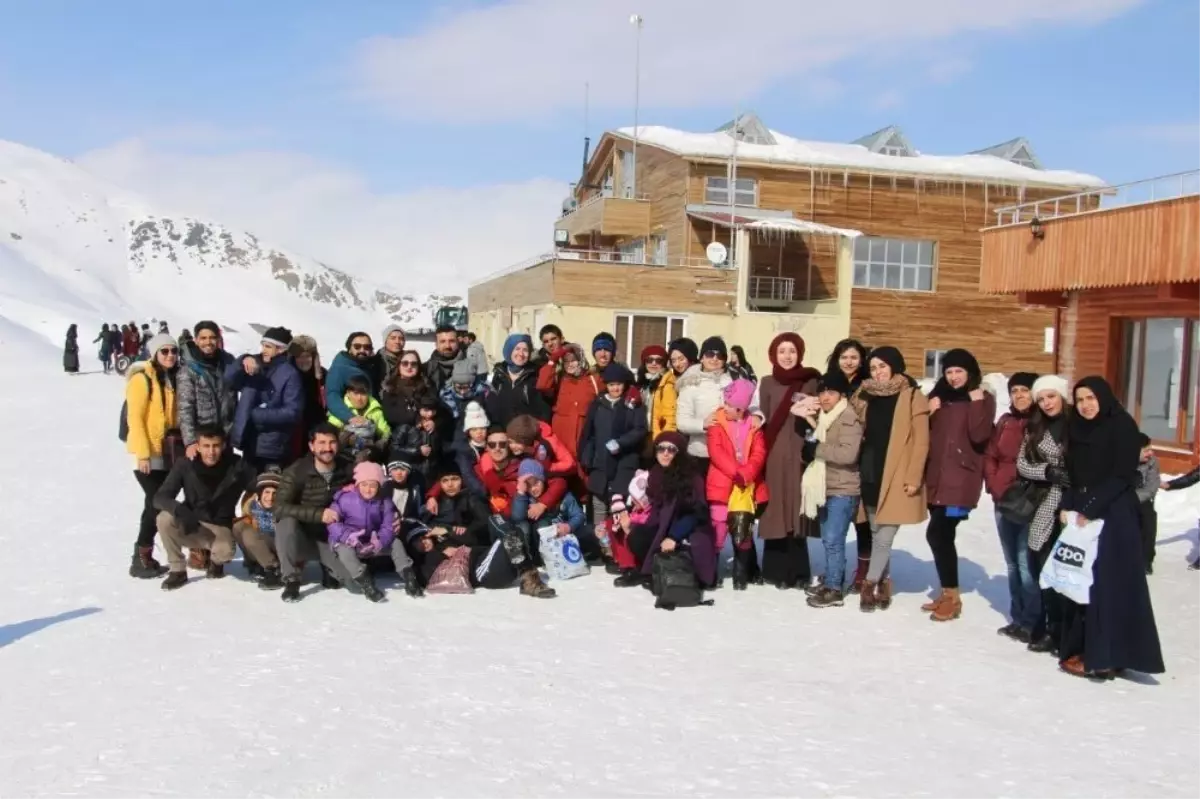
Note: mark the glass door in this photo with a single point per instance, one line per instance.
(1159, 376)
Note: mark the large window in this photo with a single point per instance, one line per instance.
(633, 252)
(745, 193)
(1158, 377)
(933, 363)
(634, 332)
(893, 264)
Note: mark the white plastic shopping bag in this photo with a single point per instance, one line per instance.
(562, 556)
(1069, 568)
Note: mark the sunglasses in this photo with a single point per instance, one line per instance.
(361, 348)
(497, 445)
(410, 364)
(671, 448)
(656, 359)
(714, 354)
(169, 351)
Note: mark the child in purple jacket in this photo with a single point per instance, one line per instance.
(366, 528)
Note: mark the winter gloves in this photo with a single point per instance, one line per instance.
(613, 446)
(364, 543)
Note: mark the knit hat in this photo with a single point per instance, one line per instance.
(715, 344)
(475, 416)
(673, 437)
(303, 344)
(389, 330)
(604, 341)
(463, 372)
(279, 336)
(1026, 379)
(835, 380)
(523, 429)
(398, 465)
(638, 485)
(685, 347)
(161, 341)
(617, 505)
(207, 324)
(892, 357)
(368, 472)
(530, 467)
(653, 351)
(617, 373)
(449, 469)
(268, 479)
(739, 394)
(961, 359)
(1055, 383)
(511, 343)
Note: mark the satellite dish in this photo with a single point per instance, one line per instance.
(716, 253)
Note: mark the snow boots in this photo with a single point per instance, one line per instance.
(883, 592)
(532, 585)
(328, 581)
(932, 604)
(175, 580)
(270, 580)
(745, 562)
(215, 571)
(860, 574)
(826, 597)
(199, 559)
(412, 586)
(143, 566)
(291, 590)
(866, 597)
(366, 582)
(950, 607)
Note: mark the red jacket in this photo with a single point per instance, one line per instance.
(723, 462)
(501, 485)
(131, 343)
(1000, 458)
(959, 433)
(555, 455)
(569, 400)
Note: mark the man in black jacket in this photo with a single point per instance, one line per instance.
(302, 511)
(212, 486)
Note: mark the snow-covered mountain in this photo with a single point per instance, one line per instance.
(76, 249)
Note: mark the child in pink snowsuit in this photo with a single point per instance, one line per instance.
(737, 457)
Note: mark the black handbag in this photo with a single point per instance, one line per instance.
(673, 581)
(1019, 504)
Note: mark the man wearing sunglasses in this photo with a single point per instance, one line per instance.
(354, 361)
(270, 402)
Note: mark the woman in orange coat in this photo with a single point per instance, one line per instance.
(568, 386)
(734, 485)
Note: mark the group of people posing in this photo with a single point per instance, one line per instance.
(384, 462)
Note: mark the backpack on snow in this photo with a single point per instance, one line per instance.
(673, 581)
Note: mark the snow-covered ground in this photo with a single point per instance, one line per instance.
(113, 688)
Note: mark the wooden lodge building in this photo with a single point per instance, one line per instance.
(870, 239)
(1123, 276)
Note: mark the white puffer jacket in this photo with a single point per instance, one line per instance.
(700, 393)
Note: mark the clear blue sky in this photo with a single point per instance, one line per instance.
(1117, 96)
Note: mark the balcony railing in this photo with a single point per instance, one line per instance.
(606, 193)
(1167, 187)
(773, 289)
(603, 256)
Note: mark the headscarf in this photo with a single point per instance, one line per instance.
(963, 360)
(510, 344)
(791, 379)
(1106, 447)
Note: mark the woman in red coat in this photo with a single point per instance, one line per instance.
(737, 453)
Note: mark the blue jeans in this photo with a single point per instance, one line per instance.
(835, 516)
(1025, 596)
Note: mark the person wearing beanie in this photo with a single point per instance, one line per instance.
(656, 389)
(830, 485)
(366, 528)
(204, 397)
(612, 439)
(892, 478)
(1051, 384)
(514, 384)
(734, 485)
(475, 418)
(386, 360)
(783, 528)
(604, 350)
(999, 478)
(278, 337)
(701, 394)
(306, 357)
(151, 417)
(255, 531)
(681, 354)
(562, 511)
(962, 413)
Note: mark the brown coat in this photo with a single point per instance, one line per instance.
(908, 447)
(959, 433)
(783, 516)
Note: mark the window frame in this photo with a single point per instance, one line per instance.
(904, 266)
(625, 336)
(937, 363)
(723, 193)
(1188, 388)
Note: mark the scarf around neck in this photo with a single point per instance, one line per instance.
(792, 380)
(812, 484)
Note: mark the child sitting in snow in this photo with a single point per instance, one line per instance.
(255, 530)
(623, 516)
(734, 487)
(367, 432)
(365, 528)
(566, 515)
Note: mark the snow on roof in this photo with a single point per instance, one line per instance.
(792, 151)
(802, 226)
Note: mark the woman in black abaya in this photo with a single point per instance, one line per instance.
(1116, 629)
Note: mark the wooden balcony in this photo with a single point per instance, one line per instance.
(1097, 242)
(607, 216)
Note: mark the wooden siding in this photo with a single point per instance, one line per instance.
(662, 180)
(663, 288)
(1131, 246)
(1004, 335)
(608, 216)
(533, 286)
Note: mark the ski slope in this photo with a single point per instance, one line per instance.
(114, 688)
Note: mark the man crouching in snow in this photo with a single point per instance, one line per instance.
(212, 486)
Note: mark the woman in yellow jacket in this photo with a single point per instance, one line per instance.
(657, 384)
(152, 416)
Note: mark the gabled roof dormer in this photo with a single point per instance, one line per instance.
(888, 141)
(749, 129)
(1017, 150)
